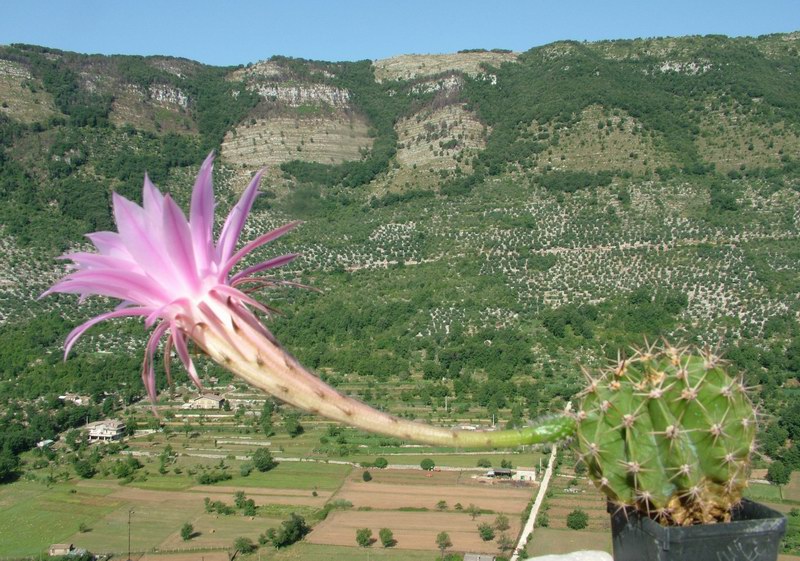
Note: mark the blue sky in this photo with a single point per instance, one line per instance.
(227, 32)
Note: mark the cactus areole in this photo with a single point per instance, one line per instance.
(669, 433)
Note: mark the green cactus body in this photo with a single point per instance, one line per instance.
(669, 433)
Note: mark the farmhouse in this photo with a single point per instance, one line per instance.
(205, 401)
(500, 472)
(110, 429)
(58, 549)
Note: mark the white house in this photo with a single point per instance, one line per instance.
(110, 429)
(205, 401)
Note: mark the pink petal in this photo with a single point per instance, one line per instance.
(142, 236)
(116, 284)
(85, 261)
(76, 333)
(232, 228)
(183, 354)
(148, 371)
(258, 242)
(109, 243)
(178, 244)
(223, 292)
(201, 216)
(152, 198)
(167, 353)
(270, 264)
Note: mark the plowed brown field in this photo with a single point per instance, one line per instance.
(412, 530)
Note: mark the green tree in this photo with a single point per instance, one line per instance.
(290, 531)
(187, 531)
(473, 511)
(504, 542)
(244, 545)
(366, 476)
(443, 542)
(266, 417)
(85, 469)
(380, 463)
(542, 520)
(486, 532)
(387, 537)
(779, 474)
(291, 422)
(577, 519)
(364, 537)
(441, 505)
(427, 464)
(501, 523)
(263, 460)
(249, 507)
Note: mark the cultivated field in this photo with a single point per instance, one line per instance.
(412, 530)
(405, 501)
(391, 497)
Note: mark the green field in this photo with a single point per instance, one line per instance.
(295, 475)
(548, 541)
(33, 516)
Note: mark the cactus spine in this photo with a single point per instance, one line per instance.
(670, 433)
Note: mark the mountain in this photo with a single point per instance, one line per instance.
(477, 222)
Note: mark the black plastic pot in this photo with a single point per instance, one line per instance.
(754, 534)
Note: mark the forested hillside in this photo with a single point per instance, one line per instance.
(478, 224)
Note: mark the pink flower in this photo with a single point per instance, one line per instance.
(168, 270)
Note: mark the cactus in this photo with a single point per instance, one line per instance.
(670, 433)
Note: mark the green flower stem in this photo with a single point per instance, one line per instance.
(260, 361)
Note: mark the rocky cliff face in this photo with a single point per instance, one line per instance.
(327, 138)
(412, 67)
(22, 96)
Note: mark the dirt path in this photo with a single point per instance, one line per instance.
(527, 530)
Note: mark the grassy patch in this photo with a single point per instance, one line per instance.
(763, 492)
(548, 541)
(296, 475)
(166, 482)
(33, 516)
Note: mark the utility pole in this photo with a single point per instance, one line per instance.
(129, 533)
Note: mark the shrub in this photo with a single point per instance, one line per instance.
(501, 523)
(263, 461)
(244, 545)
(427, 464)
(366, 476)
(211, 477)
(577, 519)
(387, 537)
(364, 537)
(290, 531)
(486, 532)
